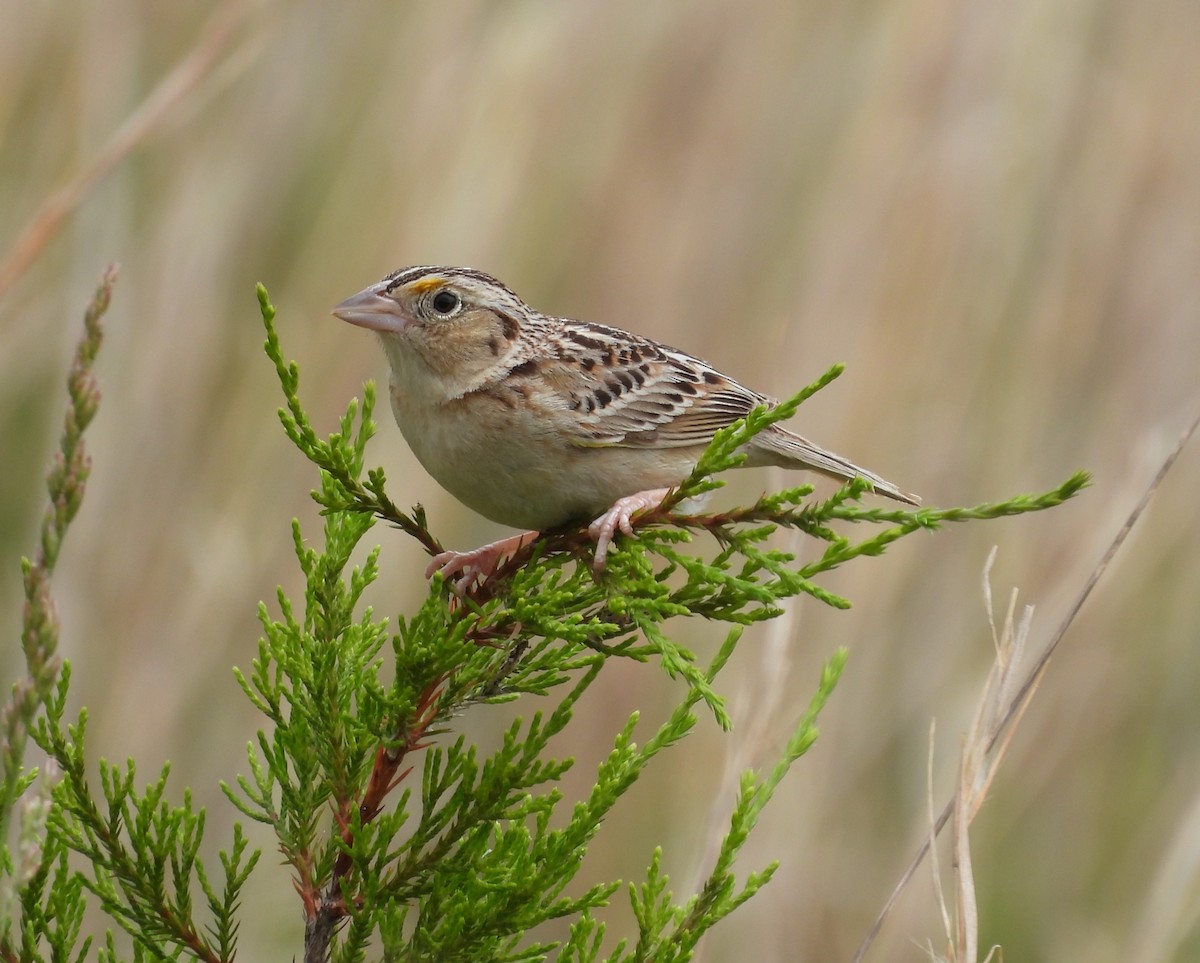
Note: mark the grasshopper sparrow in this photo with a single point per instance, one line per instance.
(535, 421)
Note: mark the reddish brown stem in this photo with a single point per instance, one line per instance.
(323, 912)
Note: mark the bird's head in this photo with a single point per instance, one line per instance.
(455, 322)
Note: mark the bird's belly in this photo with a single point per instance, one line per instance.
(526, 473)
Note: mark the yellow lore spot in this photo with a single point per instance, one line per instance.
(427, 283)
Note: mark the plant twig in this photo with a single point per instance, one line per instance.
(323, 914)
(65, 482)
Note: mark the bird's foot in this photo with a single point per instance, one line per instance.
(620, 518)
(463, 569)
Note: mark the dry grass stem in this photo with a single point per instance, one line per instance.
(1002, 706)
(150, 114)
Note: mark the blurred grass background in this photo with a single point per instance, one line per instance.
(989, 211)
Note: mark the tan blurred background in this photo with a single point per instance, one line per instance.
(989, 211)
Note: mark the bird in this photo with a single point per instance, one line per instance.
(537, 422)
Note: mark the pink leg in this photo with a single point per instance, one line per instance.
(620, 516)
(476, 565)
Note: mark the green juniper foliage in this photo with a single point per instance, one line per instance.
(403, 840)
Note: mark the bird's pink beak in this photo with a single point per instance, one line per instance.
(371, 309)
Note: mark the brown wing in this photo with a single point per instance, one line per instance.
(632, 392)
(617, 389)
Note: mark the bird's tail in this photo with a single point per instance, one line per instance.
(781, 447)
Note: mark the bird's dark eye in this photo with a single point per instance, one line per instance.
(446, 302)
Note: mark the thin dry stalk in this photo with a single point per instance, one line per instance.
(1014, 704)
(987, 742)
(200, 63)
(934, 861)
(983, 749)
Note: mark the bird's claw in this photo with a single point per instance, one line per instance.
(464, 569)
(620, 518)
